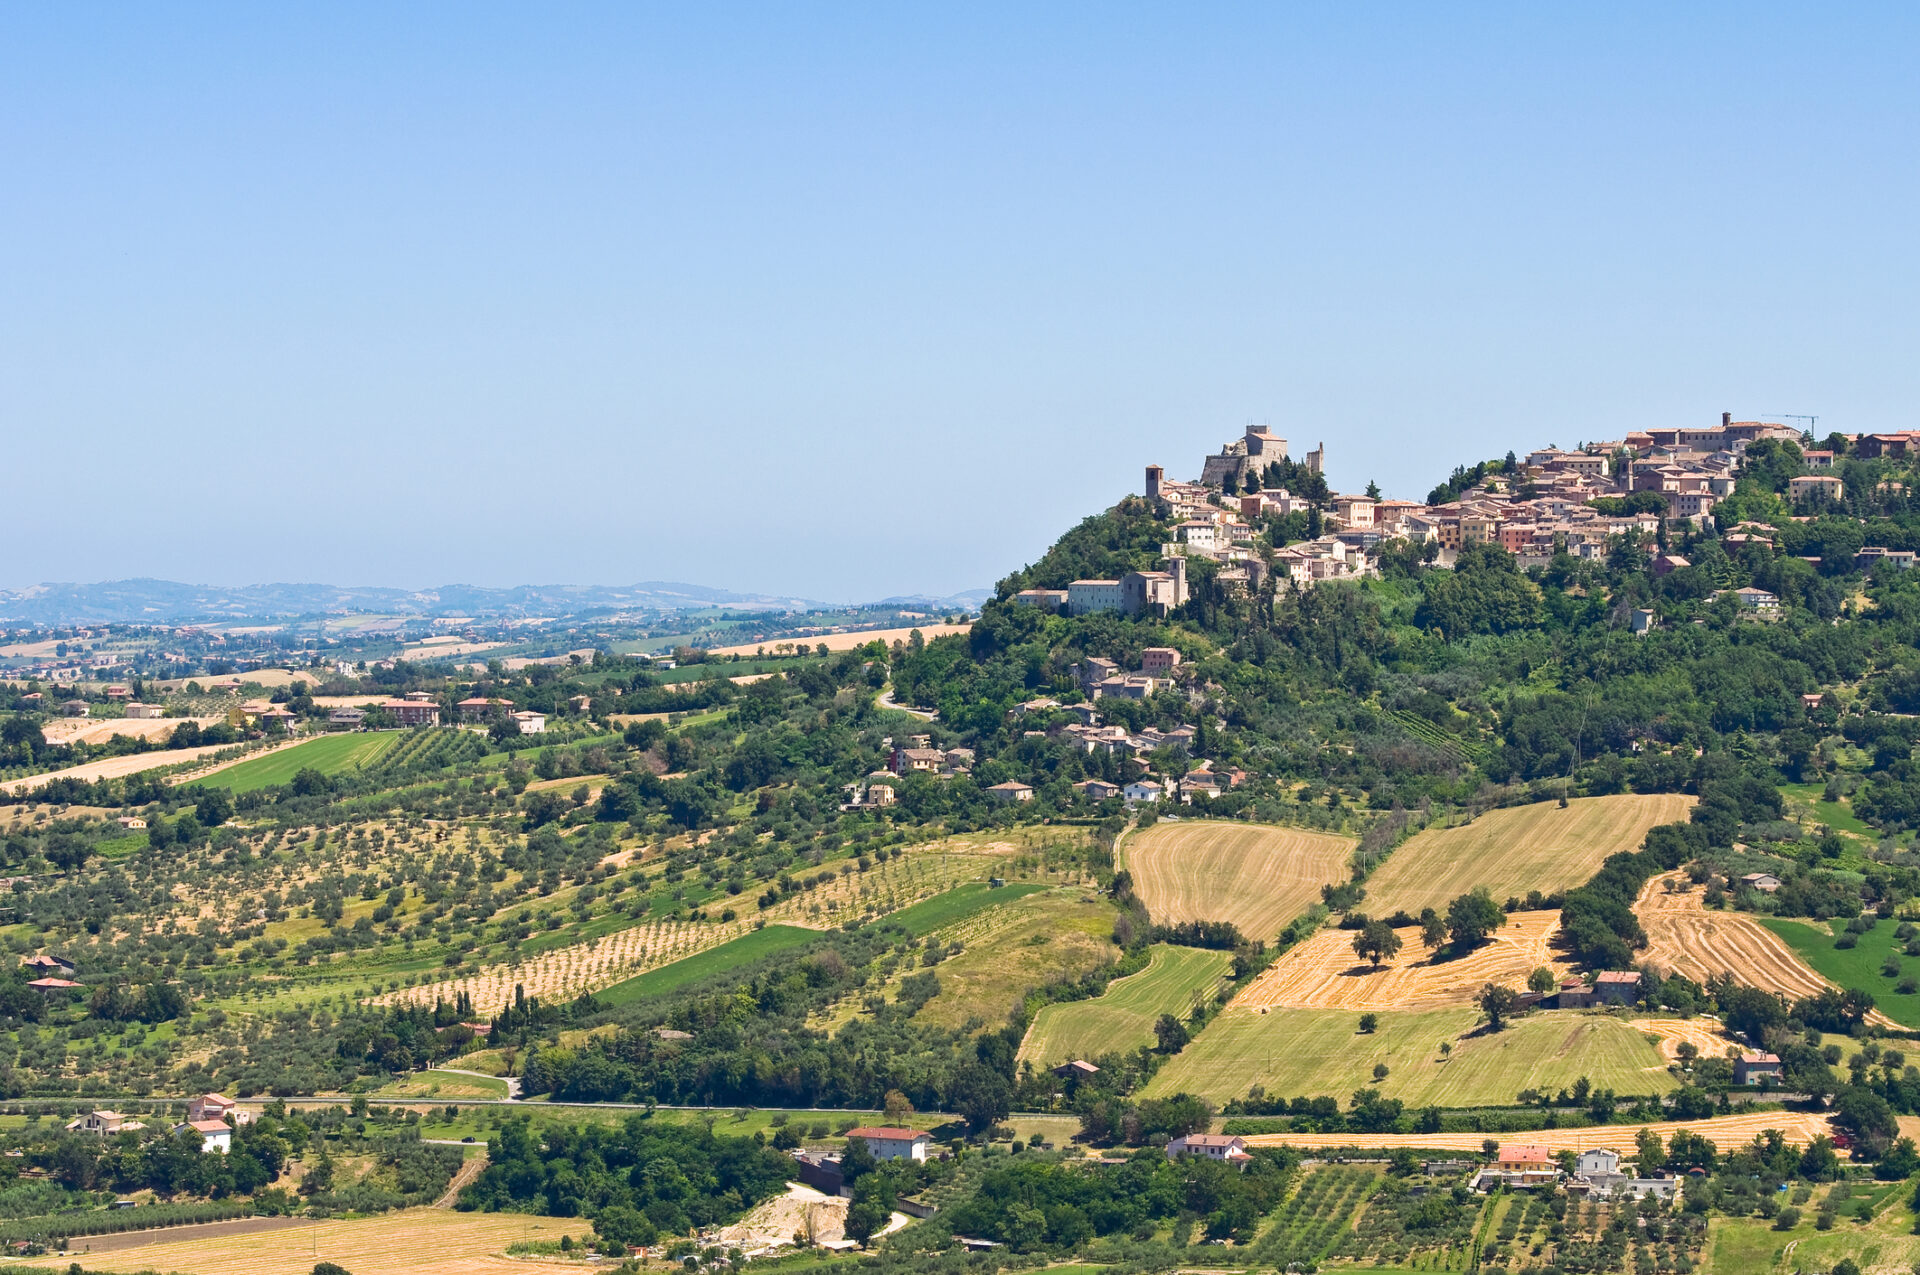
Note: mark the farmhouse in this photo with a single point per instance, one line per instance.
(1753, 1069)
(1761, 881)
(76, 708)
(1616, 987)
(1521, 1165)
(886, 1142)
(480, 708)
(1757, 599)
(1012, 790)
(53, 988)
(215, 1106)
(413, 712)
(1078, 1069)
(531, 723)
(1225, 1148)
(46, 963)
(144, 712)
(346, 718)
(103, 1123)
(215, 1135)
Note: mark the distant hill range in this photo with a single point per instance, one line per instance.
(166, 601)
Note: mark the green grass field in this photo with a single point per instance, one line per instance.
(1322, 1052)
(956, 905)
(1122, 1019)
(1032, 940)
(715, 960)
(1858, 966)
(330, 755)
(1837, 815)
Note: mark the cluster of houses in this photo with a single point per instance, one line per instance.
(52, 981)
(1540, 508)
(213, 1117)
(1596, 1174)
(418, 708)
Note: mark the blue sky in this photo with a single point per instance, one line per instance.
(852, 300)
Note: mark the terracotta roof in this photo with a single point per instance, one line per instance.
(886, 1132)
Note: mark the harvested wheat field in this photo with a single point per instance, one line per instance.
(1707, 1035)
(1256, 876)
(411, 1242)
(116, 767)
(1683, 937)
(1725, 1132)
(1323, 972)
(843, 641)
(98, 730)
(1509, 852)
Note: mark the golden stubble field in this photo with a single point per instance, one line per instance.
(420, 1241)
(1725, 1132)
(1256, 876)
(1520, 848)
(1684, 937)
(1323, 972)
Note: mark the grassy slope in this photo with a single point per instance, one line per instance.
(1037, 940)
(956, 904)
(330, 754)
(1322, 1052)
(715, 960)
(1123, 1018)
(1854, 967)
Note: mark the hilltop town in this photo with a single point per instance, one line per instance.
(1647, 484)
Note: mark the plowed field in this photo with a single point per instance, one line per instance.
(1257, 877)
(1539, 847)
(1725, 1132)
(1684, 937)
(1323, 972)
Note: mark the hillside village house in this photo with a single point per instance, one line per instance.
(1011, 791)
(104, 1124)
(886, 1142)
(531, 723)
(1754, 1069)
(216, 1106)
(1159, 661)
(215, 1135)
(481, 708)
(1143, 790)
(413, 712)
(1757, 599)
(1518, 1165)
(1815, 487)
(1226, 1148)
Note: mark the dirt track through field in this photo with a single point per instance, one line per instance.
(1256, 876)
(1725, 1132)
(1539, 847)
(1323, 972)
(1684, 937)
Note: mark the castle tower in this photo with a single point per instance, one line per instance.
(1154, 474)
(1317, 460)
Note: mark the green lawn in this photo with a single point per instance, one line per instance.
(715, 960)
(955, 905)
(1858, 966)
(329, 754)
(1316, 1052)
(1122, 1018)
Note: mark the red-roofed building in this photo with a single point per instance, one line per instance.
(413, 712)
(1225, 1148)
(887, 1142)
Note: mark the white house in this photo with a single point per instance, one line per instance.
(531, 723)
(1597, 1161)
(104, 1123)
(1142, 790)
(1214, 1146)
(215, 1135)
(885, 1142)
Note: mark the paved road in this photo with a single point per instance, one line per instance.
(886, 700)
